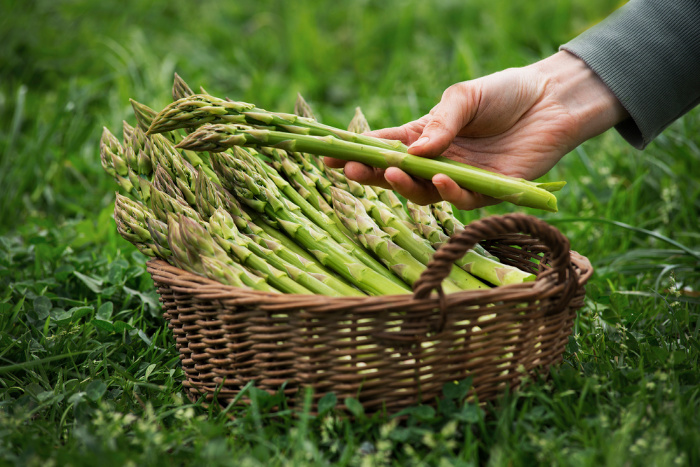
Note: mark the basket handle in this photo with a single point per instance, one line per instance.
(490, 227)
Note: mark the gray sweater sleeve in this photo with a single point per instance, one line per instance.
(648, 54)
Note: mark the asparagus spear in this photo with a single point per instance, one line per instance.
(359, 123)
(180, 88)
(231, 273)
(198, 109)
(210, 196)
(162, 205)
(144, 117)
(163, 182)
(131, 219)
(189, 242)
(449, 222)
(264, 197)
(314, 215)
(166, 157)
(143, 113)
(136, 223)
(302, 109)
(517, 191)
(114, 162)
(224, 231)
(300, 181)
(159, 235)
(399, 260)
(426, 223)
(398, 247)
(476, 264)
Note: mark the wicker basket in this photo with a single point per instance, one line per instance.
(389, 352)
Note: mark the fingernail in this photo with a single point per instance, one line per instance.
(419, 142)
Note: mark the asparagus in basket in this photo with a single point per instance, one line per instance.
(401, 260)
(144, 117)
(132, 220)
(264, 172)
(224, 230)
(137, 224)
(452, 226)
(263, 196)
(195, 250)
(477, 264)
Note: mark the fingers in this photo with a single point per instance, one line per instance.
(334, 163)
(456, 109)
(417, 190)
(365, 174)
(465, 200)
(440, 188)
(397, 133)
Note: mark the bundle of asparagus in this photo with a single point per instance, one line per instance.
(239, 203)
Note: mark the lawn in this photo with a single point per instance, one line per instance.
(89, 373)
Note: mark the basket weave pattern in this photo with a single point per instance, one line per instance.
(391, 351)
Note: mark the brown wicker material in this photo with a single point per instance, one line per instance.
(390, 351)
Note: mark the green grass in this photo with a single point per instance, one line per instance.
(88, 369)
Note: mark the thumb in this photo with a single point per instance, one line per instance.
(456, 108)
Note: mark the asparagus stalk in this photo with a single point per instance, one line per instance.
(198, 109)
(143, 113)
(376, 194)
(189, 242)
(517, 191)
(137, 143)
(449, 222)
(131, 219)
(163, 205)
(231, 273)
(265, 198)
(127, 131)
(164, 182)
(321, 220)
(144, 118)
(210, 197)
(395, 257)
(136, 223)
(113, 160)
(224, 231)
(427, 224)
(302, 183)
(256, 260)
(395, 246)
(167, 158)
(359, 123)
(472, 262)
(159, 235)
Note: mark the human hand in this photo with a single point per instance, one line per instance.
(519, 122)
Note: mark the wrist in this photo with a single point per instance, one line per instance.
(582, 93)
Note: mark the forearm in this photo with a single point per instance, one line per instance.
(648, 55)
